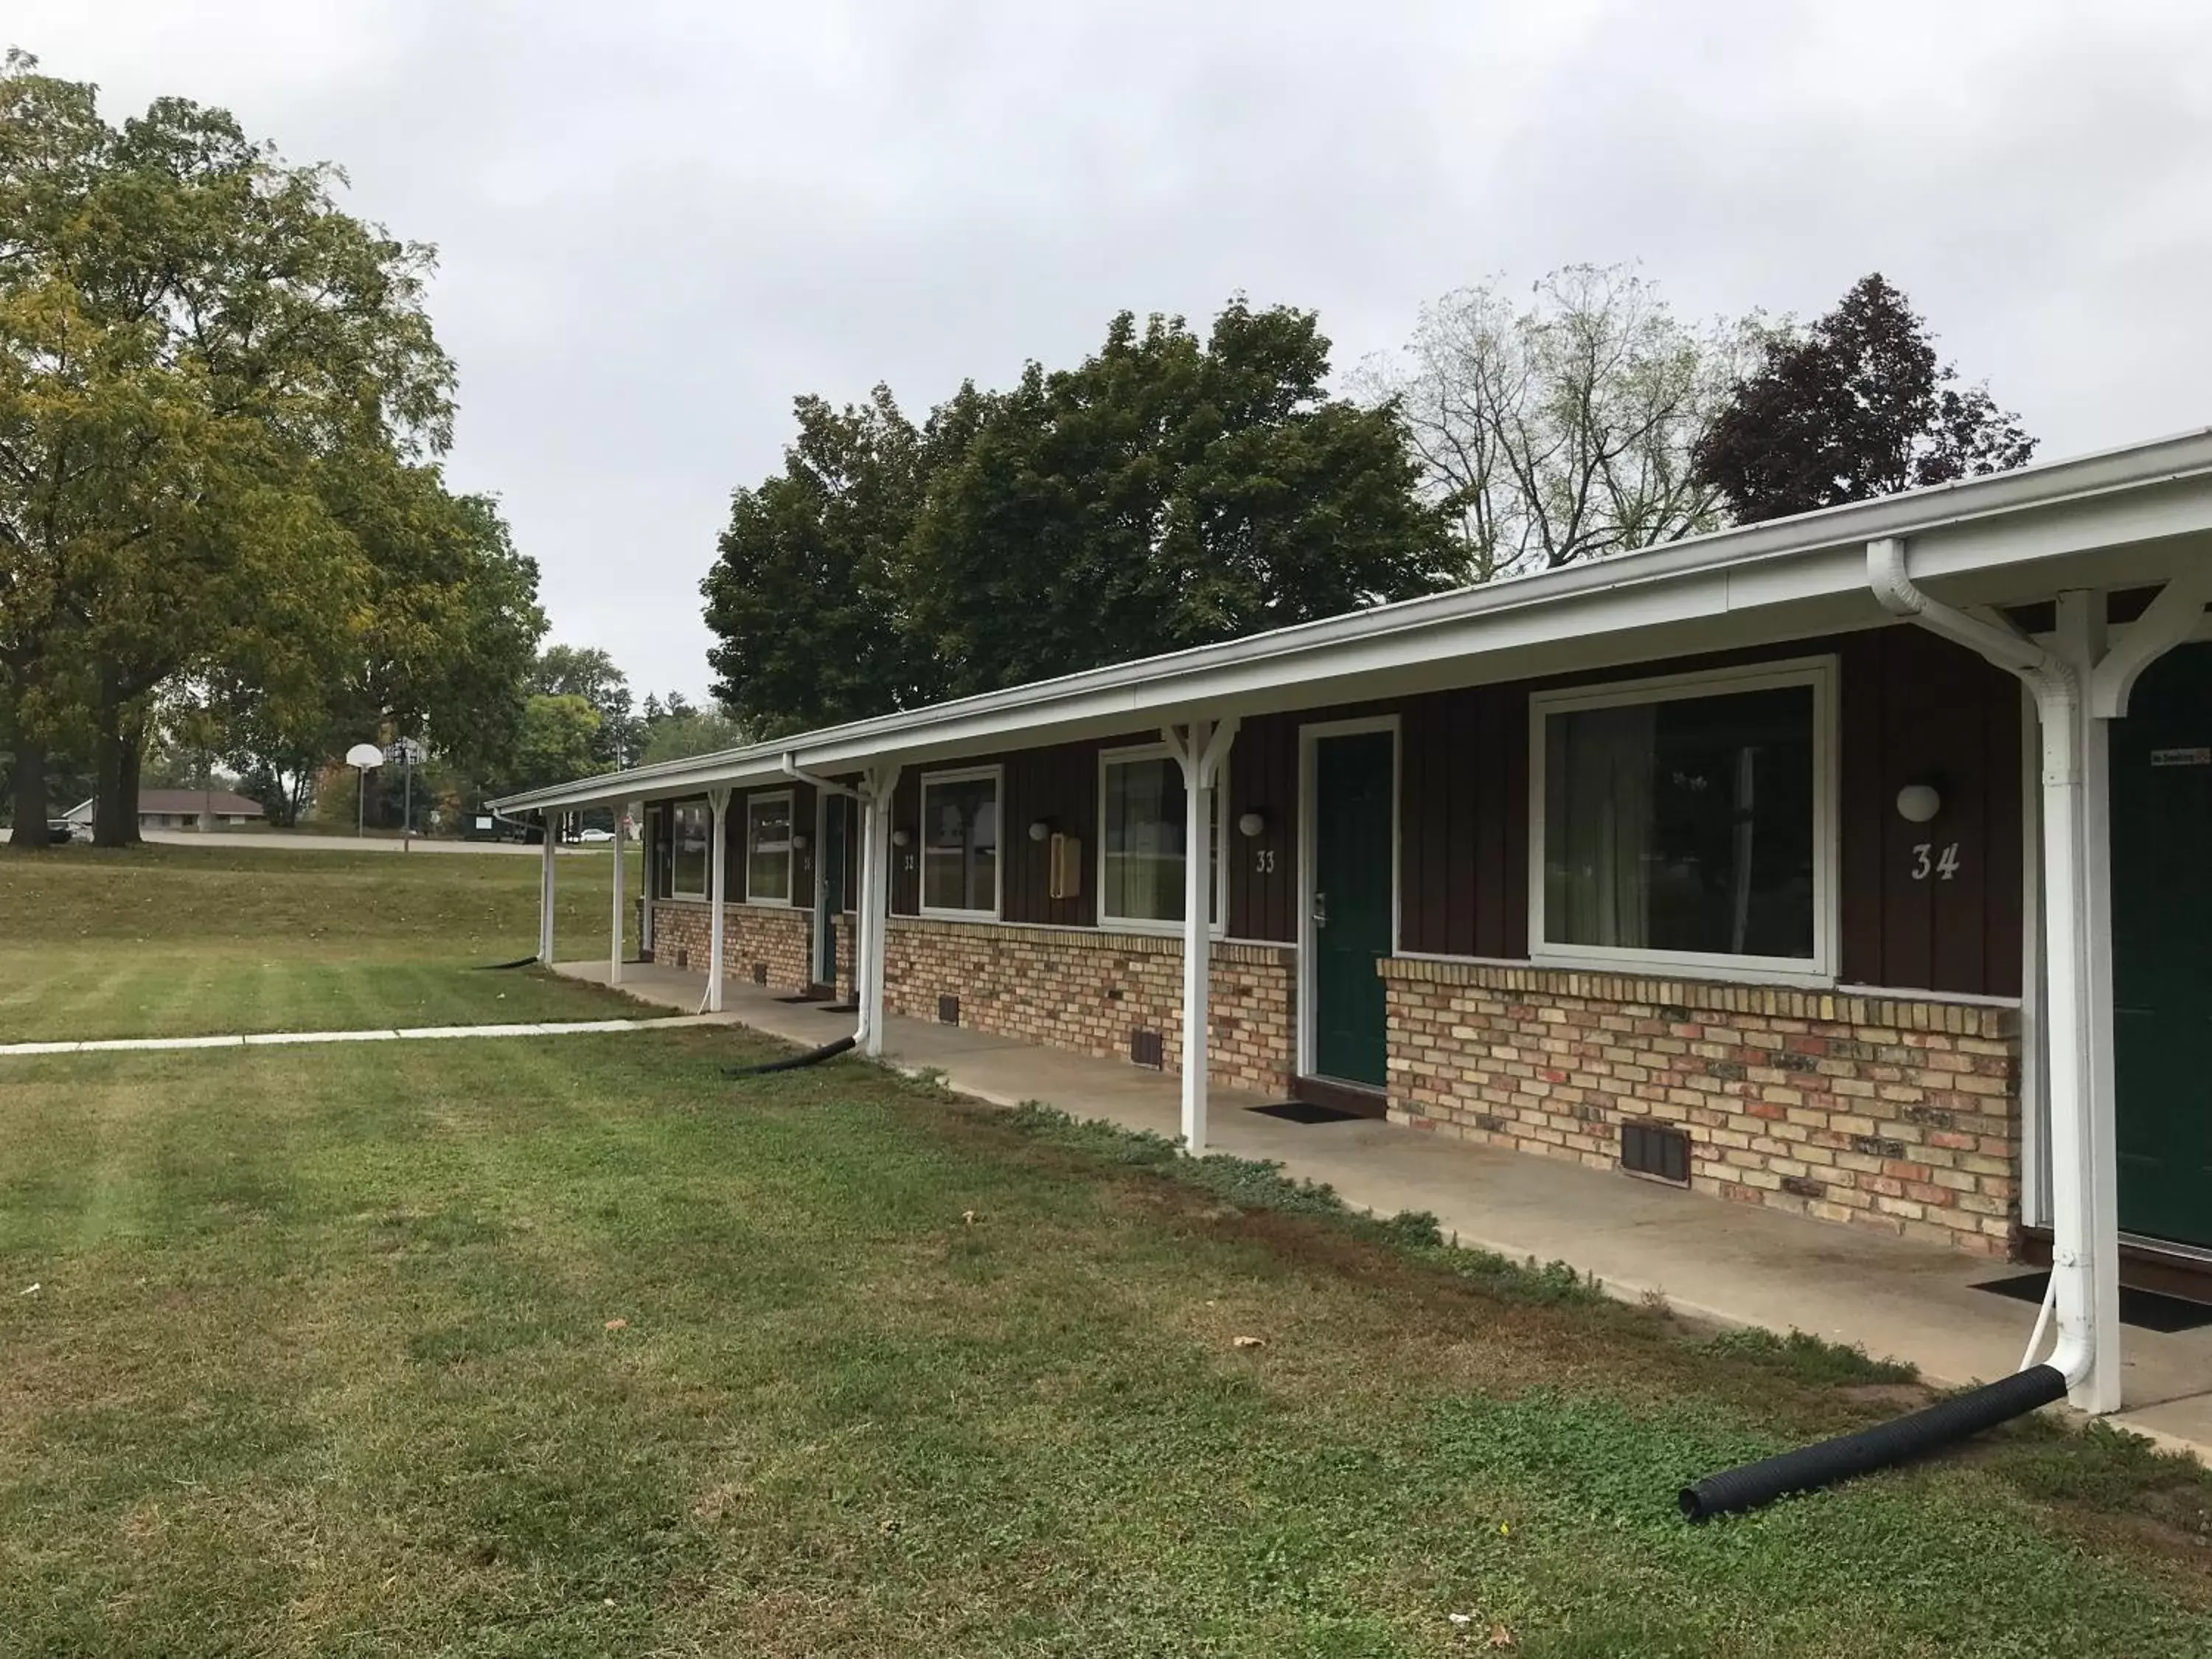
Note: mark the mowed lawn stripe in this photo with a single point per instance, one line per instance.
(333, 1372)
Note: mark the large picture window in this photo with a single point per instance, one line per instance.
(767, 848)
(1143, 813)
(690, 830)
(960, 843)
(1686, 820)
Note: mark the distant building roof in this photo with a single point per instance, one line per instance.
(193, 802)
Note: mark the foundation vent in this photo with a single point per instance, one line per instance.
(760, 973)
(1656, 1151)
(948, 1011)
(1147, 1048)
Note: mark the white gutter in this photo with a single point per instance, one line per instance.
(792, 769)
(1811, 556)
(2085, 1233)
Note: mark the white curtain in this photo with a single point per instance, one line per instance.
(1597, 827)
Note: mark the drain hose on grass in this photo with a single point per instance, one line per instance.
(1809, 1467)
(502, 967)
(812, 1057)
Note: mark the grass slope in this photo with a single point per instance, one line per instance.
(183, 941)
(500, 1348)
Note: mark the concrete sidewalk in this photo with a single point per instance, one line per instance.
(1730, 1263)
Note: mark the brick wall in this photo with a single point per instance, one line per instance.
(775, 934)
(1088, 991)
(1883, 1112)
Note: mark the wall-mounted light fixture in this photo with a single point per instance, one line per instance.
(902, 837)
(1040, 829)
(798, 841)
(1252, 824)
(1917, 803)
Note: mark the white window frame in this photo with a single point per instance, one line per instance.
(1819, 673)
(706, 863)
(790, 852)
(1217, 923)
(963, 775)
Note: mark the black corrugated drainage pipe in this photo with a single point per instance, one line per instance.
(1810, 1467)
(792, 1063)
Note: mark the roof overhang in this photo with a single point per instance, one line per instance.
(2126, 518)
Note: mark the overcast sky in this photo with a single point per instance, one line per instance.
(658, 222)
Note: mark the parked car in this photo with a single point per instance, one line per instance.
(595, 835)
(60, 832)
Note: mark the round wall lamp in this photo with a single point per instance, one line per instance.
(1252, 824)
(799, 842)
(902, 837)
(1917, 803)
(1041, 830)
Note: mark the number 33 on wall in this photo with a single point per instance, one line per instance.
(1927, 861)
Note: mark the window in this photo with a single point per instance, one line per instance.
(1686, 818)
(767, 848)
(691, 829)
(960, 843)
(1143, 808)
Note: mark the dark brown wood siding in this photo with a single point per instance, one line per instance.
(1463, 815)
(1058, 784)
(1263, 869)
(1918, 709)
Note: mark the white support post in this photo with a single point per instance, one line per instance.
(878, 791)
(1198, 749)
(615, 943)
(719, 801)
(546, 890)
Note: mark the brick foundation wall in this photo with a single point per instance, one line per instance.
(776, 935)
(1883, 1112)
(1088, 991)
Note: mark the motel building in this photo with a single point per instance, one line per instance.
(1857, 865)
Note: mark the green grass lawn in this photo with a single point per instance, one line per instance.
(186, 941)
(504, 1347)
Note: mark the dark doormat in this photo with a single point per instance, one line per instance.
(804, 996)
(2147, 1310)
(839, 1008)
(1303, 1111)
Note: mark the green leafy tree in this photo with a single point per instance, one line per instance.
(558, 741)
(806, 596)
(1858, 407)
(677, 731)
(200, 356)
(1169, 491)
(591, 674)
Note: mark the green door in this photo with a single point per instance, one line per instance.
(1355, 788)
(829, 901)
(2162, 763)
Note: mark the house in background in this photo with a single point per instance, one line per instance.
(181, 809)
(1853, 863)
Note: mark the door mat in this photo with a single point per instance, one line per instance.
(804, 996)
(2147, 1310)
(839, 1008)
(1304, 1111)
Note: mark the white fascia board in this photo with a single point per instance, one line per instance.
(1807, 571)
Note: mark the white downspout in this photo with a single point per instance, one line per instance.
(2085, 1237)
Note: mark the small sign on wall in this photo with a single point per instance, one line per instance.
(2181, 757)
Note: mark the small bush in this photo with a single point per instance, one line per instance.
(1811, 1358)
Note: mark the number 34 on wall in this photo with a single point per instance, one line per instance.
(1927, 860)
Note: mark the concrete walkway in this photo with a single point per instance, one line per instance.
(397, 1034)
(1730, 1263)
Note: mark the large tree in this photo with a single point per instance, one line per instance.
(1856, 408)
(1168, 491)
(199, 355)
(586, 671)
(807, 597)
(1560, 426)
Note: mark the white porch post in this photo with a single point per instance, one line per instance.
(615, 943)
(1198, 749)
(546, 890)
(719, 801)
(878, 790)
